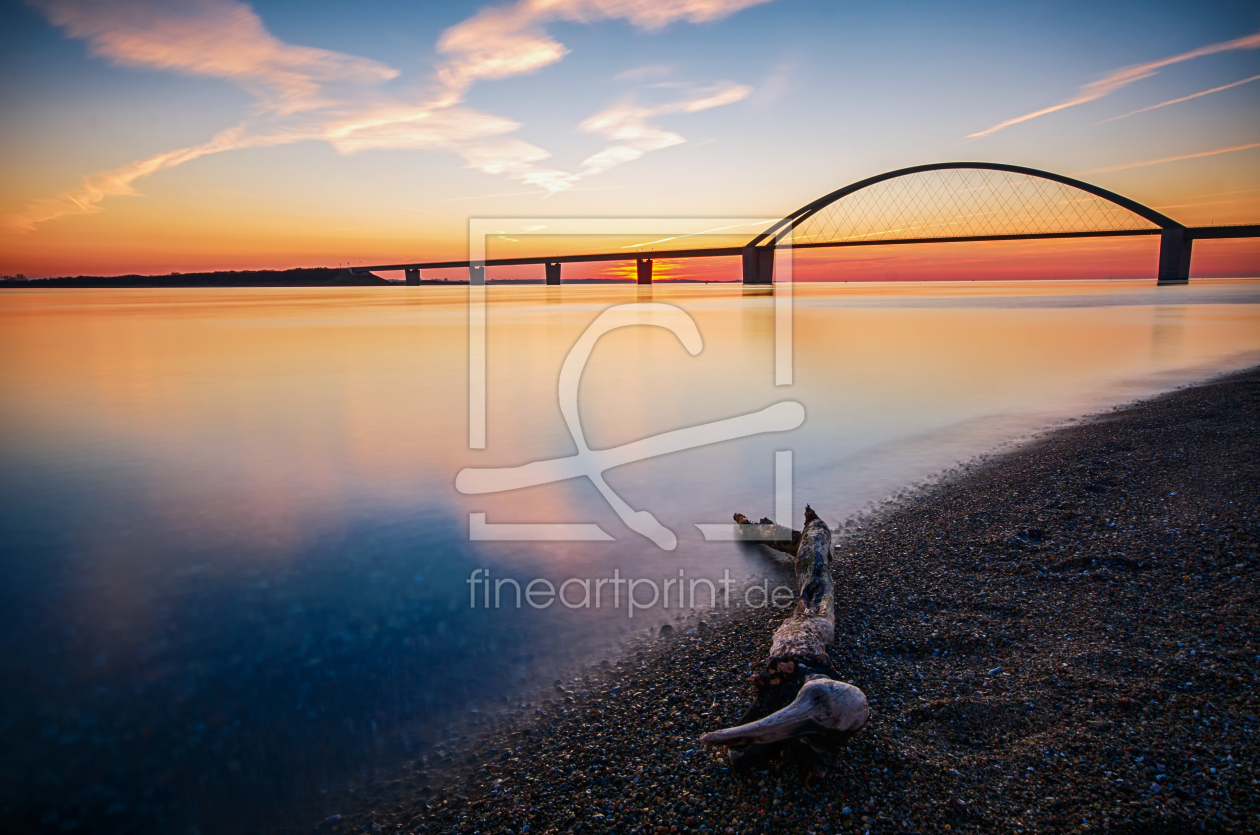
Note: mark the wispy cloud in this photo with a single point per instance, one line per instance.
(305, 93)
(1180, 100)
(219, 38)
(647, 72)
(509, 40)
(117, 182)
(778, 83)
(627, 125)
(1122, 78)
(1168, 159)
(1223, 193)
(1204, 203)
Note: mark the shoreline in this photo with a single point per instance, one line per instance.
(1070, 649)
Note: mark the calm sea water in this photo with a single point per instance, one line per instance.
(235, 562)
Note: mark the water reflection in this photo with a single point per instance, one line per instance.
(1168, 331)
(235, 561)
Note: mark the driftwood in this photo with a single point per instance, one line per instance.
(797, 696)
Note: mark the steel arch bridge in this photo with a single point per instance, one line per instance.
(966, 201)
(936, 203)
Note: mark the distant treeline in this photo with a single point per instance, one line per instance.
(300, 277)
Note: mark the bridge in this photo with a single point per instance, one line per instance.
(938, 203)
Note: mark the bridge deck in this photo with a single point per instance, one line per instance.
(1192, 232)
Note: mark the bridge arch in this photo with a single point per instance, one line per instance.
(966, 201)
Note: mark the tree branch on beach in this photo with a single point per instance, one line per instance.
(798, 695)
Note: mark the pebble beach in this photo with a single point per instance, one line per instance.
(1062, 638)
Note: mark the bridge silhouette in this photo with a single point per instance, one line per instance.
(938, 203)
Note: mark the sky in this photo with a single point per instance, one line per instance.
(153, 136)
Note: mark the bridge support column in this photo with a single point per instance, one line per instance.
(476, 275)
(758, 264)
(1174, 256)
(413, 276)
(553, 273)
(644, 266)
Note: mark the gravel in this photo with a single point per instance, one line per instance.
(1062, 639)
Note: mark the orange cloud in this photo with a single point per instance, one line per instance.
(116, 182)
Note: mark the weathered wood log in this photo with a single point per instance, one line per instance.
(778, 537)
(821, 705)
(797, 695)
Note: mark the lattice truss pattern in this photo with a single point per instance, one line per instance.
(963, 202)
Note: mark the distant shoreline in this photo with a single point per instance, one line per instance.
(300, 277)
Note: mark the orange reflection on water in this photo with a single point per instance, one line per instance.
(250, 417)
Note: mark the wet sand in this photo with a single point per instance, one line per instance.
(1062, 638)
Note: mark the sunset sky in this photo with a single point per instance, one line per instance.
(176, 135)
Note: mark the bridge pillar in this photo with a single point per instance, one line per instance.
(1174, 256)
(553, 272)
(476, 275)
(758, 264)
(645, 270)
(413, 276)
